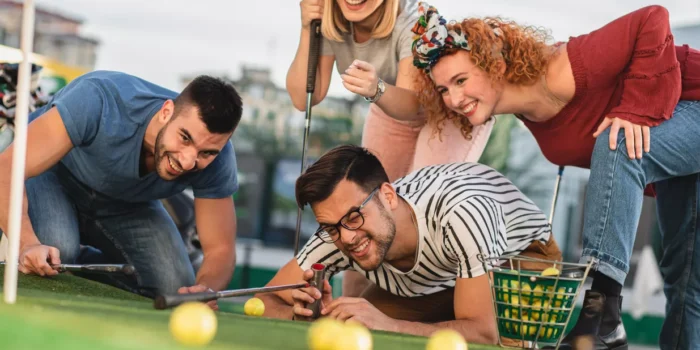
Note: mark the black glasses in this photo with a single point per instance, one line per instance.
(353, 220)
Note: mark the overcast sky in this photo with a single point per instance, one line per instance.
(161, 40)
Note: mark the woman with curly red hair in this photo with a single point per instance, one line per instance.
(623, 101)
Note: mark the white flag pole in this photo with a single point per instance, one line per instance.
(20, 152)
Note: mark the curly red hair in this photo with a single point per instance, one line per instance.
(523, 50)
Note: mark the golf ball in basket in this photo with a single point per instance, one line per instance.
(193, 323)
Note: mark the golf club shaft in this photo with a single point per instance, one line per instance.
(96, 268)
(248, 291)
(314, 52)
(556, 194)
(93, 268)
(297, 235)
(166, 301)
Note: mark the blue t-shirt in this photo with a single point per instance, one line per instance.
(106, 115)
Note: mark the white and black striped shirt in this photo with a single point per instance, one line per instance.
(463, 209)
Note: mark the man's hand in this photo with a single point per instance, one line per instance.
(38, 259)
(304, 296)
(200, 289)
(636, 136)
(359, 310)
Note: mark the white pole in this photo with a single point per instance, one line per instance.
(20, 152)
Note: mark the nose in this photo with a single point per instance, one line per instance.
(347, 236)
(456, 97)
(189, 160)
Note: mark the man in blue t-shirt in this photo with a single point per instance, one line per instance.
(102, 153)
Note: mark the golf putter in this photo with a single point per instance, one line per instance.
(93, 268)
(317, 281)
(556, 194)
(166, 301)
(96, 268)
(314, 52)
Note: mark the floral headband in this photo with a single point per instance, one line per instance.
(433, 38)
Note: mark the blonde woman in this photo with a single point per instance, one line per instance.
(370, 42)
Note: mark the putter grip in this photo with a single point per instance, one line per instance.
(314, 52)
(167, 301)
(319, 276)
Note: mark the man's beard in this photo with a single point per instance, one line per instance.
(382, 243)
(159, 153)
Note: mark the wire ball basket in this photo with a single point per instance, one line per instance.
(533, 306)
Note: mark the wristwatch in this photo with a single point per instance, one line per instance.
(380, 90)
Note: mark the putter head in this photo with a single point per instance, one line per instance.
(159, 303)
(128, 269)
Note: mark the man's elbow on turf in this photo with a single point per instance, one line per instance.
(481, 331)
(489, 334)
(473, 331)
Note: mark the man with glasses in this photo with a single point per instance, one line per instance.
(417, 243)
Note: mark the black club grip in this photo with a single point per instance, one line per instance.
(314, 52)
(167, 301)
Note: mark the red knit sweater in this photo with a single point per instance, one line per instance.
(629, 69)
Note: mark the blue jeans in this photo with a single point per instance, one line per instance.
(67, 215)
(6, 136)
(613, 207)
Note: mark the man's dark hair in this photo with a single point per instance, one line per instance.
(217, 101)
(349, 162)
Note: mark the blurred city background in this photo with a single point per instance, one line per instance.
(252, 44)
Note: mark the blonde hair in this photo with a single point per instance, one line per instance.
(334, 25)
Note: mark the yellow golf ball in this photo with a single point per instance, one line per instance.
(446, 339)
(550, 271)
(193, 323)
(354, 336)
(254, 307)
(323, 334)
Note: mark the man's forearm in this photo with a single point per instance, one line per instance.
(400, 103)
(473, 331)
(27, 235)
(217, 269)
(275, 307)
(354, 283)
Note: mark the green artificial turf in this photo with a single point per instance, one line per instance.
(70, 313)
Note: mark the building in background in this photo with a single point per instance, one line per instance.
(58, 44)
(57, 35)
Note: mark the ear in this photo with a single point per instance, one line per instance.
(389, 194)
(502, 65)
(166, 112)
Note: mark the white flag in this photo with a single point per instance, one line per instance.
(647, 282)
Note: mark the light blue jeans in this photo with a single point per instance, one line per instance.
(6, 137)
(613, 208)
(66, 214)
